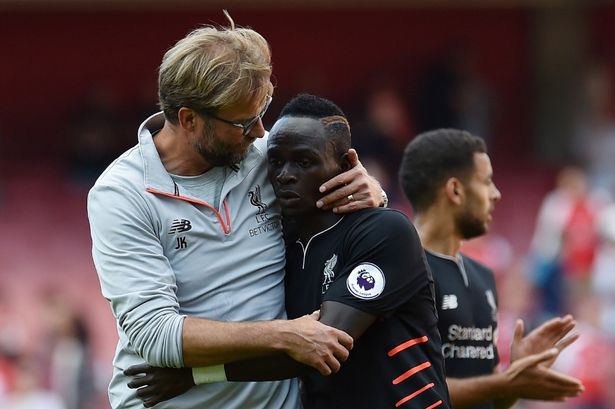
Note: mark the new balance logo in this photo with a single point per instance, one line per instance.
(180, 226)
(449, 302)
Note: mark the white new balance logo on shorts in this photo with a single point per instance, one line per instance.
(449, 302)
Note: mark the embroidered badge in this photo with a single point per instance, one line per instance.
(328, 273)
(256, 199)
(366, 281)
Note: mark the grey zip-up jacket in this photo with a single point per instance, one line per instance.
(162, 253)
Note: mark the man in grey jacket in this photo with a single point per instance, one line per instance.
(186, 231)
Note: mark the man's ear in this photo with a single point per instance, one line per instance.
(455, 191)
(345, 162)
(187, 119)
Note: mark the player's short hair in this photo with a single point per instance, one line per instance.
(212, 68)
(328, 113)
(432, 158)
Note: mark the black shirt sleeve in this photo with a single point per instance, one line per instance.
(384, 264)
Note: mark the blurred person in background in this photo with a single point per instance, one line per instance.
(603, 273)
(565, 240)
(452, 94)
(95, 135)
(447, 176)
(187, 237)
(68, 343)
(593, 143)
(29, 392)
(12, 344)
(591, 358)
(383, 134)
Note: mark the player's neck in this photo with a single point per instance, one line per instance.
(309, 226)
(438, 233)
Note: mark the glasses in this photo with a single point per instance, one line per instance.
(247, 126)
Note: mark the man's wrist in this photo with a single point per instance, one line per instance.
(283, 335)
(209, 374)
(385, 199)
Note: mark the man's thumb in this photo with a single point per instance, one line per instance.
(353, 157)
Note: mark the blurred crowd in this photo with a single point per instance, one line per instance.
(567, 265)
(58, 370)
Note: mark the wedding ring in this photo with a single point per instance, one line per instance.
(350, 198)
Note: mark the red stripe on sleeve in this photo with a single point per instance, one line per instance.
(414, 394)
(435, 405)
(407, 344)
(411, 372)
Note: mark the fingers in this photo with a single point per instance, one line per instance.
(353, 157)
(557, 385)
(365, 191)
(351, 206)
(542, 357)
(556, 328)
(341, 186)
(137, 369)
(140, 381)
(517, 341)
(145, 393)
(346, 177)
(315, 315)
(566, 341)
(332, 365)
(572, 384)
(338, 353)
(345, 340)
(149, 397)
(532, 380)
(552, 333)
(532, 360)
(519, 331)
(318, 345)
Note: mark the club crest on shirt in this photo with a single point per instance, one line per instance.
(366, 281)
(256, 199)
(492, 304)
(328, 273)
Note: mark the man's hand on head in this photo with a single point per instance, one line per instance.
(352, 190)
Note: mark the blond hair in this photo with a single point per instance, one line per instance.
(212, 68)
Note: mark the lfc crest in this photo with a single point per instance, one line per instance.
(328, 273)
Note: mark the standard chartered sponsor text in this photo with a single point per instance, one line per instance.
(460, 333)
(467, 351)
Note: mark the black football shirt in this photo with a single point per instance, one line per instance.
(372, 260)
(466, 298)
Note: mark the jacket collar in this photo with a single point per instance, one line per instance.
(156, 177)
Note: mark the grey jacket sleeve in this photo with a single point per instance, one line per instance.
(135, 276)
